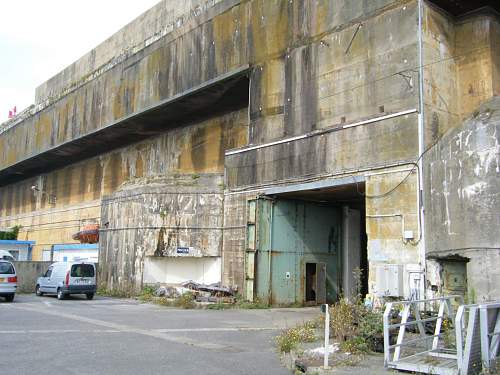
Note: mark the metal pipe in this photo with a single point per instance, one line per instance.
(421, 140)
(320, 177)
(319, 132)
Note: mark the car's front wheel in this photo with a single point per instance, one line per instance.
(10, 297)
(60, 294)
(38, 292)
(90, 295)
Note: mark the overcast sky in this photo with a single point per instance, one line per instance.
(40, 38)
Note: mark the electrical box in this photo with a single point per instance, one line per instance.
(408, 235)
(389, 280)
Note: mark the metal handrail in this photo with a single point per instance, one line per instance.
(444, 306)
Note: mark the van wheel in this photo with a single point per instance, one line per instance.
(10, 297)
(90, 295)
(60, 294)
(38, 292)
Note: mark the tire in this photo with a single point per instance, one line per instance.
(10, 297)
(37, 291)
(90, 295)
(60, 295)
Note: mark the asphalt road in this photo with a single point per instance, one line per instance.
(41, 335)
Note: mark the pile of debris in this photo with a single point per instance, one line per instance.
(203, 292)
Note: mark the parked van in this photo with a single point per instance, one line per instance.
(8, 280)
(65, 278)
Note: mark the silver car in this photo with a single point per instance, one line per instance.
(65, 278)
(8, 280)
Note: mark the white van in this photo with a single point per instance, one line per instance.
(65, 278)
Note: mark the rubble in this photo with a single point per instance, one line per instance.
(215, 289)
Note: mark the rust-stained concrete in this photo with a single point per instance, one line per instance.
(315, 69)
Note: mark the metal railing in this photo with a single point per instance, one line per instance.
(475, 346)
(411, 315)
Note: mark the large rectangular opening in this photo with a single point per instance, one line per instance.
(312, 244)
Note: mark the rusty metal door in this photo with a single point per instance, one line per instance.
(454, 277)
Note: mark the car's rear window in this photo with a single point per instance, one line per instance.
(7, 268)
(82, 270)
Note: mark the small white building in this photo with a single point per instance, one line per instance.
(20, 250)
(72, 253)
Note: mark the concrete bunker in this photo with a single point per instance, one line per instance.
(307, 243)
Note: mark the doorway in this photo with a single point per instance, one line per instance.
(311, 244)
(315, 283)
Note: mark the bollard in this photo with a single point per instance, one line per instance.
(324, 308)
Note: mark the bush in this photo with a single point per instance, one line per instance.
(11, 234)
(355, 345)
(147, 294)
(358, 328)
(344, 319)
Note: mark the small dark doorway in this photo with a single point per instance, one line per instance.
(315, 288)
(310, 282)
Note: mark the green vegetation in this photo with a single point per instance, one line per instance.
(289, 339)
(116, 293)
(355, 326)
(239, 303)
(11, 234)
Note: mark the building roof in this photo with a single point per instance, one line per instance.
(16, 242)
(76, 246)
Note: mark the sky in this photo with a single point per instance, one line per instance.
(39, 38)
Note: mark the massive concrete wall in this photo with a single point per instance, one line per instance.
(463, 207)
(461, 63)
(156, 219)
(162, 19)
(79, 188)
(316, 68)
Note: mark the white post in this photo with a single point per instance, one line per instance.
(327, 336)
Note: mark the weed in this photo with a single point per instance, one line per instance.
(355, 345)
(186, 301)
(290, 338)
(117, 293)
(147, 294)
(344, 318)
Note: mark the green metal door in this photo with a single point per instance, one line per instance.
(291, 233)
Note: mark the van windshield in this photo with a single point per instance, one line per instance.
(82, 270)
(6, 268)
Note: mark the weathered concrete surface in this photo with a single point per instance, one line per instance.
(313, 66)
(27, 274)
(79, 188)
(162, 19)
(154, 219)
(463, 206)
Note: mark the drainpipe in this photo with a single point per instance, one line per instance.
(421, 141)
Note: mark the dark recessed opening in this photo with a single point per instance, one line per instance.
(195, 105)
